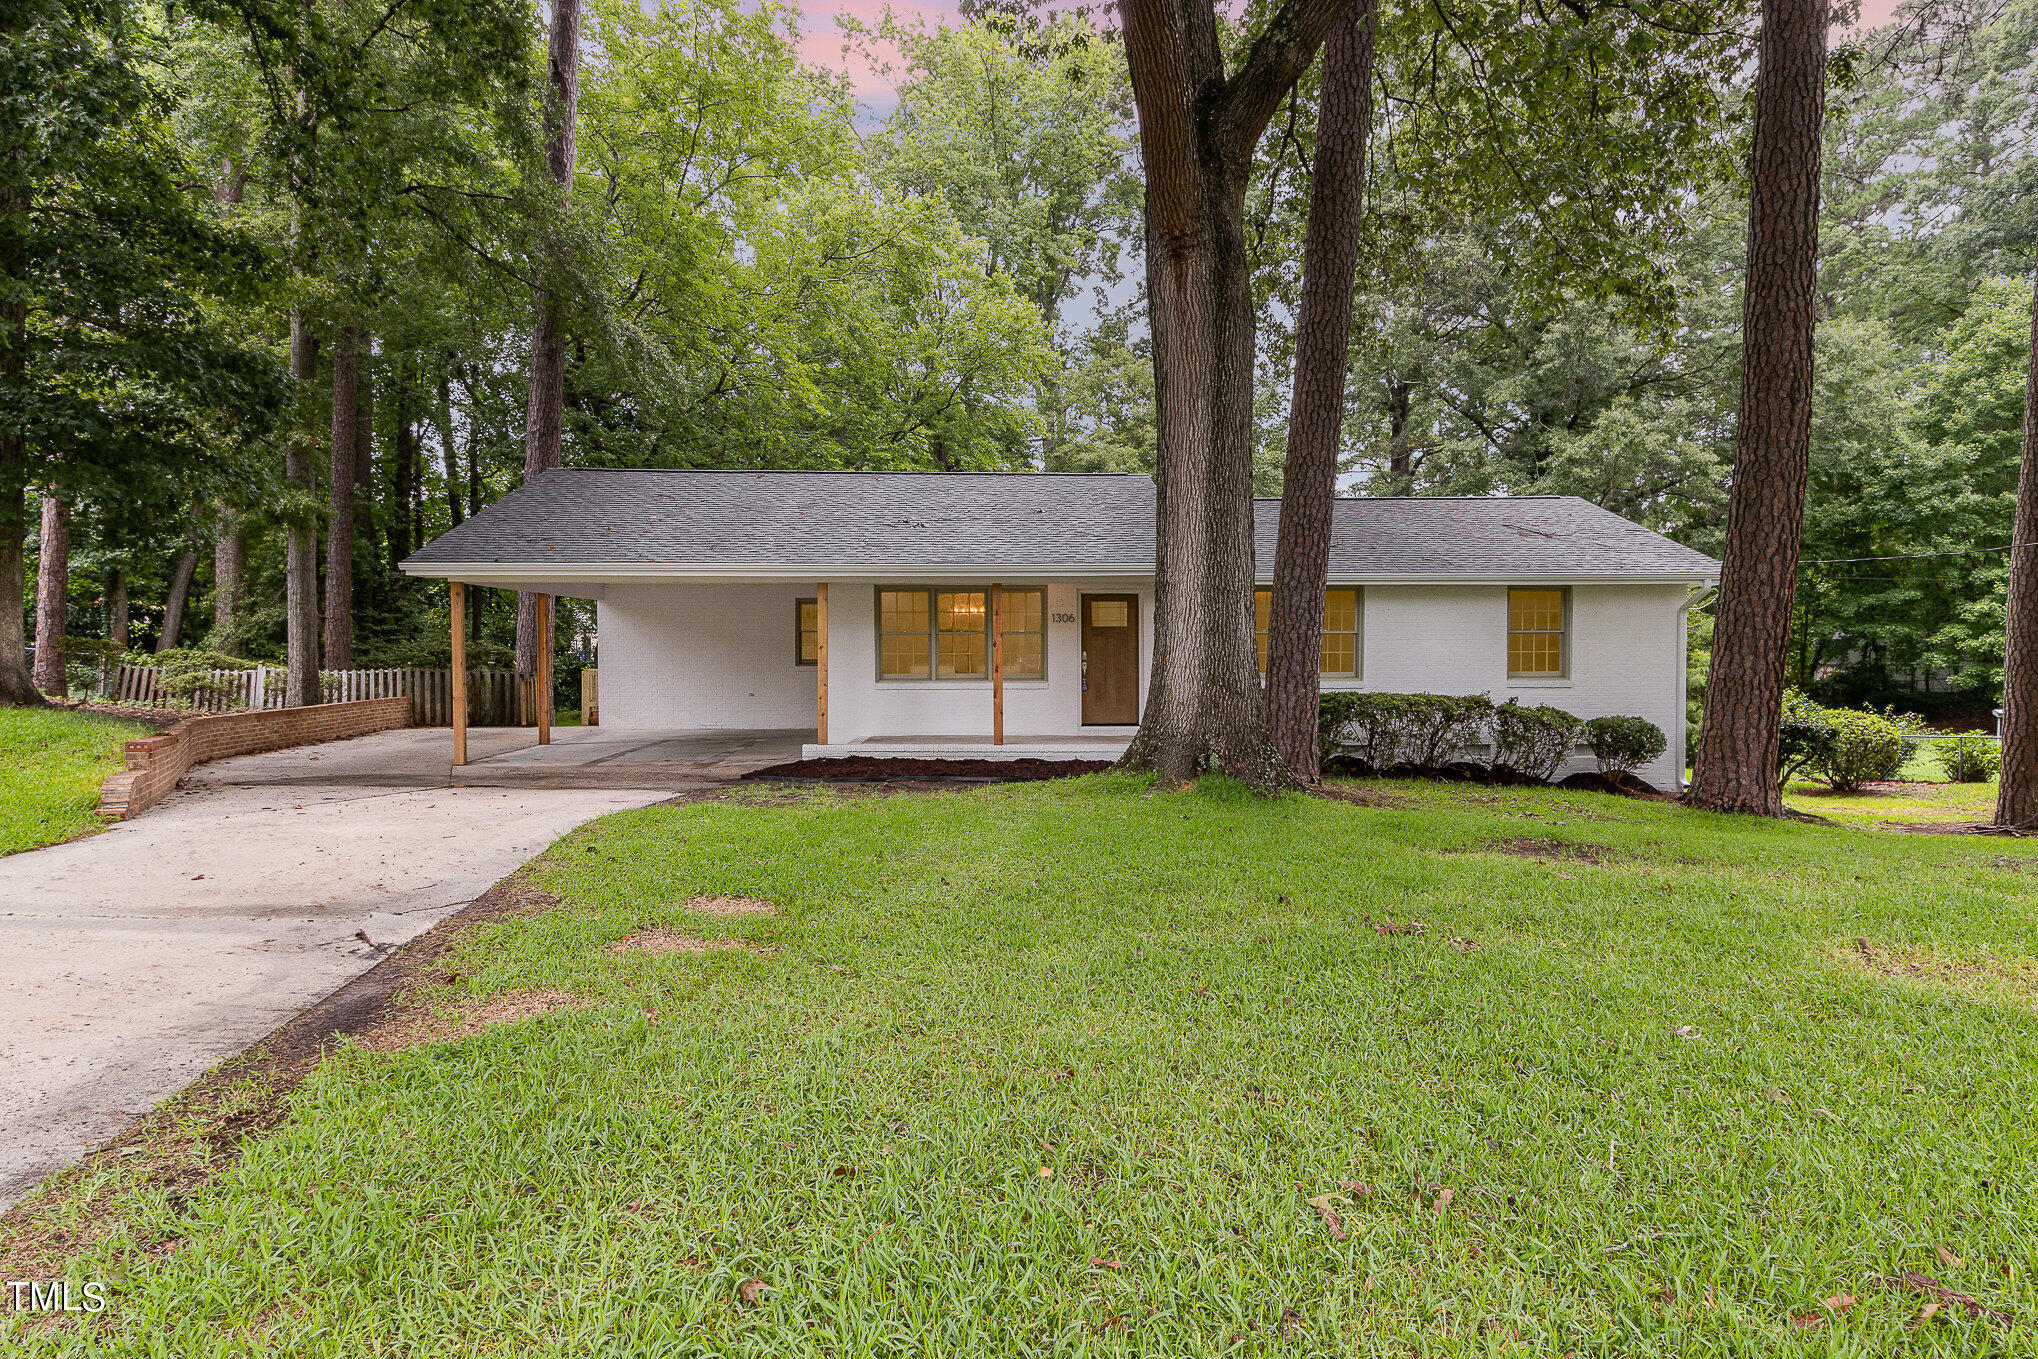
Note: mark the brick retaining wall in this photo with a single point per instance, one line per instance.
(156, 763)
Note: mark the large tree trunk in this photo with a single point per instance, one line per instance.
(116, 608)
(1199, 126)
(339, 603)
(229, 568)
(52, 594)
(300, 552)
(365, 519)
(2017, 795)
(544, 413)
(1738, 743)
(175, 600)
(1323, 332)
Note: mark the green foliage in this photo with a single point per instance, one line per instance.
(1970, 761)
(1384, 730)
(192, 675)
(1622, 745)
(1532, 739)
(1866, 748)
(1808, 735)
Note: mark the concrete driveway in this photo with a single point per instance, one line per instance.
(139, 957)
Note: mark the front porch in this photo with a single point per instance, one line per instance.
(1104, 743)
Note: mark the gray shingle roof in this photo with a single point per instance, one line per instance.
(588, 517)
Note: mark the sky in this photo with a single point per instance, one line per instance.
(823, 45)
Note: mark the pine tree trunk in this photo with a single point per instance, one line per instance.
(1323, 330)
(300, 552)
(2017, 794)
(1739, 741)
(544, 414)
(339, 592)
(52, 594)
(175, 600)
(365, 520)
(1199, 127)
(117, 620)
(229, 567)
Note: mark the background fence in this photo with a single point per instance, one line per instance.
(495, 698)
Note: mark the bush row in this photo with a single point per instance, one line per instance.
(1430, 731)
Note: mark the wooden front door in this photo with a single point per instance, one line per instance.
(1110, 660)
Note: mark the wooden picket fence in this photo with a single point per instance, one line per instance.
(495, 698)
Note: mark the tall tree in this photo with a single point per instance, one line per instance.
(2017, 794)
(544, 417)
(1330, 255)
(52, 594)
(177, 598)
(229, 569)
(1738, 744)
(343, 455)
(1199, 127)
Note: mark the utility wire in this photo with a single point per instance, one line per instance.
(1912, 556)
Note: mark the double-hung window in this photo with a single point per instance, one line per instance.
(1538, 633)
(946, 634)
(806, 632)
(1344, 630)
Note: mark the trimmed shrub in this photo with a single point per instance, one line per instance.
(1867, 748)
(1968, 761)
(1336, 718)
(1532, 740)
(1808, 736)
(1622, 744)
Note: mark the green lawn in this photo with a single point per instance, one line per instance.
(1071, 1068)
(1916, 804)
(51, 765)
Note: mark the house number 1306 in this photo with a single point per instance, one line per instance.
(1064, 618)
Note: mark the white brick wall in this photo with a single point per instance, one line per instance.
(720, 656)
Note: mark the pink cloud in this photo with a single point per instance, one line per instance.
(821, 40)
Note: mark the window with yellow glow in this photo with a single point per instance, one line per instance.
(1343, 631)
(807, 631)
(1536, 642)
(946, 634)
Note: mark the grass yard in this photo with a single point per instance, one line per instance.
(51, 765)
(1905, 804)
(1069, 1069)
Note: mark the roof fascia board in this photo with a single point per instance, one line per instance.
(485, 573)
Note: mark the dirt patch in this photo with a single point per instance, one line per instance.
(1362, 797)
(1955, 828)
(661, 940)
(2011, 978)
(1550, 851)
(452, 1020)
(723, 907)
(162, 719)
(886, 768)
(193, 1136)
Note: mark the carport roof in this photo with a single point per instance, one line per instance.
(595, 523)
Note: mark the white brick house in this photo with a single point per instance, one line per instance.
(858, 606)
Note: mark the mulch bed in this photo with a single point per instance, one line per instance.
(1497, 776)
(879, 768)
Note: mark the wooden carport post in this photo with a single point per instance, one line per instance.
(459, 673)
(821, 663)
(997, 665)
(544, 670)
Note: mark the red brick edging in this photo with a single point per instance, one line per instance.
(155, 764)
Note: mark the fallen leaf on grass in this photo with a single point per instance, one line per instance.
(750, 1290)
(1808, 1321)
(1101, 1263)
(1411, 926)
(1839, 1302)
(1364, 1191)
(1047, 1172)
(1948, 1260)
(1930, 1287)
(1685, 1031)
(1924, 1314)
(1444, 1199)
(1325, 1209)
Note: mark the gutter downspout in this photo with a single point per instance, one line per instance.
(1693, 600)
